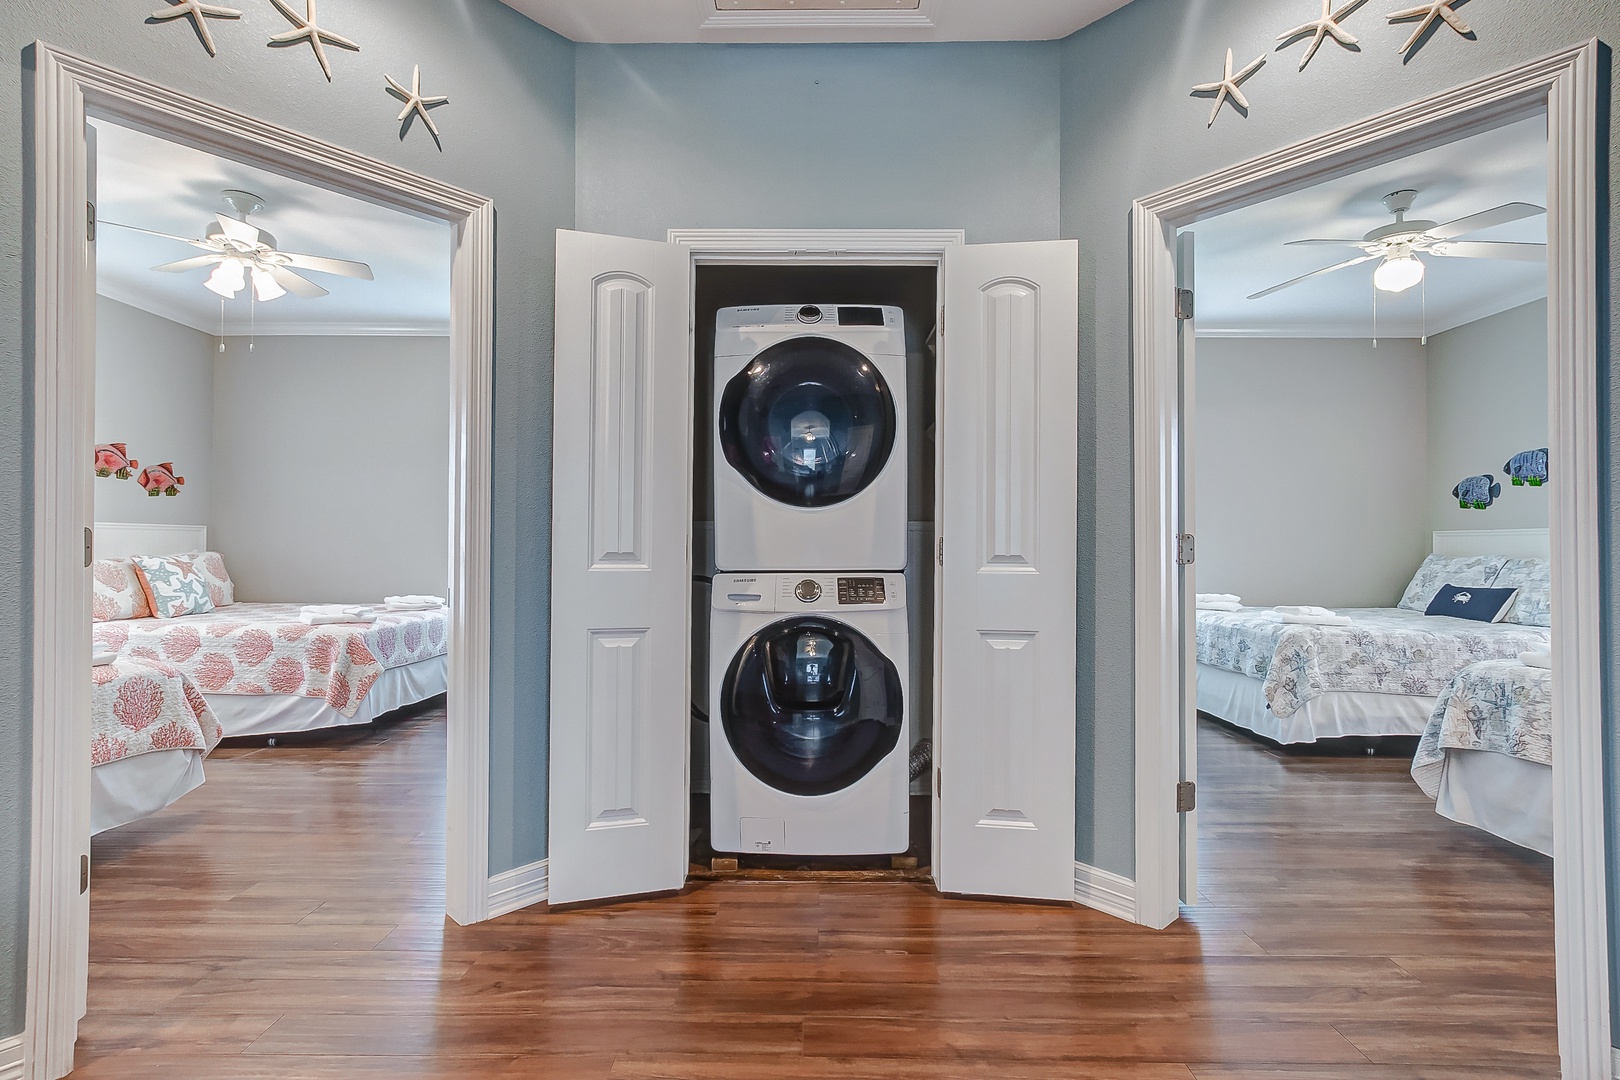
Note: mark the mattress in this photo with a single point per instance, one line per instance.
(150, 728)
(1240, 700)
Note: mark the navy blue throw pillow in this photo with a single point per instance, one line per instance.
(1480, 605)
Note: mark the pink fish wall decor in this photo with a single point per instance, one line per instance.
(161, 480)
(112, 459)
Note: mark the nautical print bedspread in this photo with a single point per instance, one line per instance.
(141, 706)
(1498, 705)
(1384, 651)
(265, 649)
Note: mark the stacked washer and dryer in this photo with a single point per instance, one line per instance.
(809, 732)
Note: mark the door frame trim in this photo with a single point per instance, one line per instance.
(1565, 87)
(66, 87)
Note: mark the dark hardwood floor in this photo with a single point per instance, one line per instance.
(284, 922)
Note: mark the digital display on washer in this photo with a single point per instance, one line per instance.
(860, 316)
(861, 590)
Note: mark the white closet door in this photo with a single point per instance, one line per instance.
(1007, 506)
(621, 569)
(1189, 576)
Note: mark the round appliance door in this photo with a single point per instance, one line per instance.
(810, 705)
(809, 422)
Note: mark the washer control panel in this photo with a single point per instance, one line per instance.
(863, 591)
(808, 592)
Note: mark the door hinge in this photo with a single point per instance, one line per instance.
(939, 783)
(84, 874)
(90, 222)
(89, 546)
(1186, 797)
(942, 551)
(1184, 305)
(940, 333)
(1186, 549)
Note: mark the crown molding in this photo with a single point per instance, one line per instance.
(233, 328)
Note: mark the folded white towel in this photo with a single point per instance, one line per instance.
(413, 602)
(1536, 659)
(1219, 598)
(328, 614)
(1219, 605)
(1307, 619)
(1303, 609)
(102, 659)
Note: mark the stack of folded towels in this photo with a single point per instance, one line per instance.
(1541, 659)
(1219, 601)
(1308, 616)
(328, 614)
(413, 603)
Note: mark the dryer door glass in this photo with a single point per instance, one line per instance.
(809, 422)
(810, 706)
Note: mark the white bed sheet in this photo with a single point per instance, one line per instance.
(285, 714)
(1241, 701)
(1503, 795)
(131, 788)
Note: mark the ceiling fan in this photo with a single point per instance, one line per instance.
(1399, 244)
(239, 251)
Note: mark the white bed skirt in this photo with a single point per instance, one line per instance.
(131, 788)
(285, 714)
(1504, 795)
(1241, 701)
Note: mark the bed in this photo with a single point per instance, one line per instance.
(150, 728)
(1486, 753)
(262, 670)
(1383, 674)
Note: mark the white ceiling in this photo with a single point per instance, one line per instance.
(155, 184)
(629, 21)
(1242, 252)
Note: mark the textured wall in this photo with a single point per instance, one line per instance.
(509, 135)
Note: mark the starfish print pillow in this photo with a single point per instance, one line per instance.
(174, 585)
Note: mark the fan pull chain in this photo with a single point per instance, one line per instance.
(1375, 315)
(1424, 297)
(253, 319)
(222, 324)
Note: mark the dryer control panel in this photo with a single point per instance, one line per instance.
(799, 316)
(789, 592)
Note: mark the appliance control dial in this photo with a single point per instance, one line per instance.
(810, 314)
(808, 590)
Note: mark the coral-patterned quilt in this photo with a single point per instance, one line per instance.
(141, 706)
(266, 649)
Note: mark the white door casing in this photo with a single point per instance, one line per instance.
(621, 569)
(1186, 331)
(1008, 432)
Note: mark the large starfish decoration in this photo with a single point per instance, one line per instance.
(1429, 13)
(306, 29)
(1228, 86)
(200, 13)
(415, 102)
(1320, 29)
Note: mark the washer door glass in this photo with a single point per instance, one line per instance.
(810, 706)
(809, 422)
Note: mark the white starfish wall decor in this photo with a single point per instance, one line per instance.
(305, 28)
(1228, 86)
(1429, 13)
(199, 13)
(415, 103)
(1321, 29)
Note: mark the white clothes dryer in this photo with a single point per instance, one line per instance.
(810, 438)
(809, 732)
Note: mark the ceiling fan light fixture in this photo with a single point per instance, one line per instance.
(1398, 273)
(228, 278)
(265, 287)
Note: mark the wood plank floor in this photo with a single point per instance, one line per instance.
(284, 922)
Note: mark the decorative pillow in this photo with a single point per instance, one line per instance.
(174, 586)
(118, 592)
(211, 565)
(1480, 605)
(1437, 570)
(1533, 579)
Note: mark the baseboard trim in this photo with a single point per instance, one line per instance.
(11, 1058)
(1107, 892)
(1615, 1051)
(520, 888)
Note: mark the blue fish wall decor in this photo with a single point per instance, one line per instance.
(1477, 492)
(1529, 468)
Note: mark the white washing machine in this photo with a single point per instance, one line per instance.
(810, 438)
(809, 733)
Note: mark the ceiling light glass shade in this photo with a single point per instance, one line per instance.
(265, 287)
(1398, 273)
(228, 279)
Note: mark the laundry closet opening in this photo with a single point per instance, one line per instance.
(813, 591)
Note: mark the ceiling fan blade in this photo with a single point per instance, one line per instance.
(205, 245)
(298, 286)
(1500, 215)
(321, 264)
(1314, 273)
(190, 264)
(1326, 243)
(1490, 249)
(240, 231)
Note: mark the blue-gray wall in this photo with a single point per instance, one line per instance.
(509, 135)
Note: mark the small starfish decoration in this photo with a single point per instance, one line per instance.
(415, 102)
(306, 29)
(1228, 87)
(1321, 29)
(200, 13)
(1429, 13)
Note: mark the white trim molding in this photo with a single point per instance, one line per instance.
(236, 326)
(517, 889)
(11, 1058)
(1616, 1063)
(67, 89)
(1564, 86)
(1108, 892)
(921, 247)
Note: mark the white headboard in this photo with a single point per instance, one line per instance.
(120, 540)
(1513, 543)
